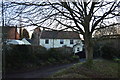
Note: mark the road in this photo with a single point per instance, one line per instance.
(41, 73)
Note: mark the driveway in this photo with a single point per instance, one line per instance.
(41, 73)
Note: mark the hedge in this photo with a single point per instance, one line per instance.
(27, 57)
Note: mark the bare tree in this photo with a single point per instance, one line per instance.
(105, 32)
(82, 16)
(25, 34)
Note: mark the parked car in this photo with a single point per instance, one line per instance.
(14, 42)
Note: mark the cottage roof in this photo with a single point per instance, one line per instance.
(59, 35)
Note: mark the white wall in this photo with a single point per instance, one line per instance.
(78, 46)
(55, 43)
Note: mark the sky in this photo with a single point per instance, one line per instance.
(30, 29)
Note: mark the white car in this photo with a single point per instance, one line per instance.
(15, 42)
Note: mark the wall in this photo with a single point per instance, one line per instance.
(12, 34)
(55, 43)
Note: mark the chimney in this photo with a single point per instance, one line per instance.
(15, 32)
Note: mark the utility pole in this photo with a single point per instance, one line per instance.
(2, 14)
(3, 41)
(20, 24)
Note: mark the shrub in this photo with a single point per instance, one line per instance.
(25, 57)
(97, 51)
(107, 49)
(58, 56)
(18, 56)
(109, 52)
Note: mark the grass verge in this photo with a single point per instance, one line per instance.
(99, 69)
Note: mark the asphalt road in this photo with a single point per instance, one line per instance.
(41, 73)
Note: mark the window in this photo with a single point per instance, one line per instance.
(71, 41)
(46, 41)
(61, 41)
(78, 49)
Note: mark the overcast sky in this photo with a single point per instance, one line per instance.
(31, 28)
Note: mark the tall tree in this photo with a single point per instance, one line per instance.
(25, 34)
(105, 31)
(82, 16)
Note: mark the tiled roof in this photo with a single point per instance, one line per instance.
(59, 35)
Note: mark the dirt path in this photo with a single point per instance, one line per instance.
(41, 73)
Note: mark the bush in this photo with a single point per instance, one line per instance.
(109, 52)
(97, 51)
(58, 56)
(19, 56)
(25, 57)
(107, 49)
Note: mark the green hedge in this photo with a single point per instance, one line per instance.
(27, 57)
(108, 50)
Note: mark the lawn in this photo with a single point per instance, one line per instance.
(100, 69)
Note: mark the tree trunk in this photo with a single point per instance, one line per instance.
(88, 48)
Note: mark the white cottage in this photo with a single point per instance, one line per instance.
(56, 39)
